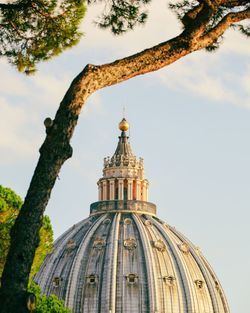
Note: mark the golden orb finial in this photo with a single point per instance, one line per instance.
(124, 125)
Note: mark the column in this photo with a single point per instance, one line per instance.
(111, 189)
(144, 190)
(130, 189)
(138, 190)
(120, 188)
(99, 191)
(104, 188)
(147, 184)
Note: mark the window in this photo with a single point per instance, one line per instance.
(169, 280)
(92, 279)
(57, 281)
(132, 279)
(199, 283)
(130, 243)
(71, 245)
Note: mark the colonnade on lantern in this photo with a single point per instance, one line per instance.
(122, 189)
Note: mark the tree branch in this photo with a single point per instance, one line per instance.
(222, 26)
(233, 3)
(191, 15)
(201, 18)
(213, 4)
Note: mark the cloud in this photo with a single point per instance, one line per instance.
(42, 91)
(48, 89)
(18, 137)
(210, 77)
(93, 106)
(161, 25)
(9, 74)
(236, 43)
(245, 81)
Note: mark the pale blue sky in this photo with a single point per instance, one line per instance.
(189, 121)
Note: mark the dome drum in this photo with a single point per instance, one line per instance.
(115, 206)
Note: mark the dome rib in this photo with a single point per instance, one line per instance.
(73, 276)
(47, 270)
(114, 245)
(204, 271)
(207, 274)
(181, 275)
(149, 266)
(161, 254)
(219, 300)
(135, 297)
(224, 304)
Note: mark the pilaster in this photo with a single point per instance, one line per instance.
(120, 188)
(130, 189)
(111, 189)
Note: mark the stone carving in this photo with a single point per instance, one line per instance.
(132, 278)
(198, 250)
(130, 243)
(217, 286)
(71, 244)
(199, 283)
(92, 279)
(148, 223)
(98, 243)
(159, 245)
(166, 225)
(57, 281)
(127, 221)
(107, 221)
(169, 280)
(184, 247)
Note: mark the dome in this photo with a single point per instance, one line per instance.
(124, 259)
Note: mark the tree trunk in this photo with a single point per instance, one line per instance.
(56, 150)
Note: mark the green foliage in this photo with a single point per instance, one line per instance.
(45, 304)
(34, 31)
(244, 29)
(8, 199)
(10, 204)
(122, 15)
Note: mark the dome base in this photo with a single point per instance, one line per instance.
(123, 206)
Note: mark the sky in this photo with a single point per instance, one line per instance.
(189, 121)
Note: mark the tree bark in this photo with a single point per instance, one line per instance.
(56, 148)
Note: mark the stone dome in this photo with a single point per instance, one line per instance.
(124, 259)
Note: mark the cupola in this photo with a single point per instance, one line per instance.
(123, 174)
